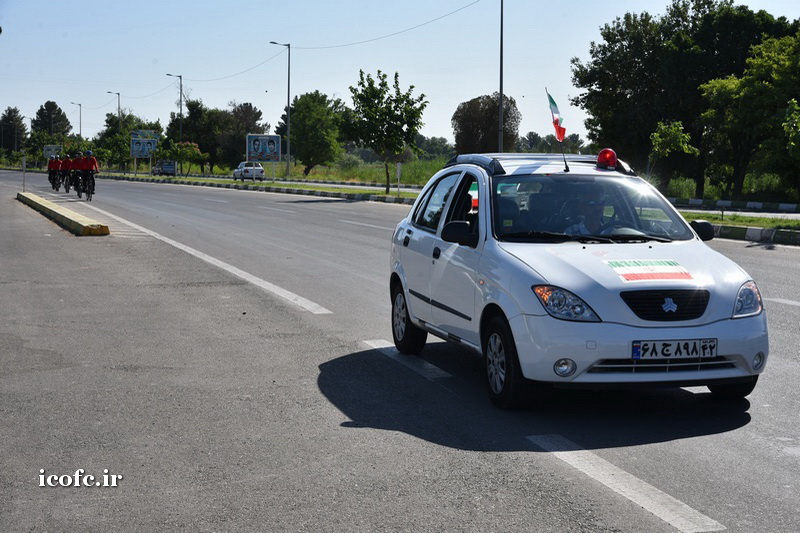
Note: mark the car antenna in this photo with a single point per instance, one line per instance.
(566, 166)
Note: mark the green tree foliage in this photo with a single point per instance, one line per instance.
(535, 143)
(746, 115)
(476, 124)
(13, 130)
(433, 147)
(51, 119)
(187, 152)
(384, 120)
(118, 143)
(315, 130)
(649, 69)
(669, 137)
(231, 127)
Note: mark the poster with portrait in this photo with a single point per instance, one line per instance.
(263, 148)
(52, 149)
(143, 148)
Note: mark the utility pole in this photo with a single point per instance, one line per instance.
(180, 131)
(500, 134)
(119, 112)
(80, 119)
(288, 105)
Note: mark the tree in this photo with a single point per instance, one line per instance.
(649, 69)
(476, 125)
(669, 137)
(187, 152)
(530, 142)
(433, 147)
(13, 130)
(746, 115)
(316, 130)
(233, 127)
(51, 119)
(118, 142)
(384, 121)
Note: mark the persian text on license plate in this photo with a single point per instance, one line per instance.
(676, 348)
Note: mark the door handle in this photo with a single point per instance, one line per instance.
(437, 252)
(405, 241)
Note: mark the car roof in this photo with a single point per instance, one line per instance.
(529, 163)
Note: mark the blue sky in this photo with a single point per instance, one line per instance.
(77, 51)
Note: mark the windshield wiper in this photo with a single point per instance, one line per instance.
(638, 238)
(549, 236)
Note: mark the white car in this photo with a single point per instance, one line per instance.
(581, 276)
(250, 170)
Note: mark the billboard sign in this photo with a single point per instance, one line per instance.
(142, 148)
(52, 149)
(263, 148)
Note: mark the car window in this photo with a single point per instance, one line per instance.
(582, 205)
(464, 206)
(428, 217)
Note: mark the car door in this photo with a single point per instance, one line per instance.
(418, 241)
(453, 273)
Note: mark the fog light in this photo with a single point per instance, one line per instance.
(758, 361)
(565, 367)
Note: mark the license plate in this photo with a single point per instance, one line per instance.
(674, 349)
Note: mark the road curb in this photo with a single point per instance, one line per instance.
(68, 219)
(266, 188)
(766, 235)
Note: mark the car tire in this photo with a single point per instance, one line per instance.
(505, 383)
(733, 391)
(408, 338)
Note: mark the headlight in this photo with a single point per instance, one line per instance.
(561, 303)
(748, 301)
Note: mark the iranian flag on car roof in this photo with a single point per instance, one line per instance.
(557, 120)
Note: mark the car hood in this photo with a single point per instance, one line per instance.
(595, 272)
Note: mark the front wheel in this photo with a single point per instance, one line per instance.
(504, 377)
(408, 338)
(733, 391)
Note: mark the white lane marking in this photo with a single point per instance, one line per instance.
(298, 300)
(276, 209)
(215, 200)
(782, 301)
(420, 366)
(673, 511)
(366, 225)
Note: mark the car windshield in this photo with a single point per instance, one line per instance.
(546, 208)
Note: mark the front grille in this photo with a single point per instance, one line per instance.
(640, 366)
(667, 305)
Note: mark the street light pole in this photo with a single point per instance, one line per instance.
(288, 105)
(180, 79)
(80, 119)
(180, 131)
(119, 111)
(500, 134)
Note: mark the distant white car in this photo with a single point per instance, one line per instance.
(583, 277)
(250, 170)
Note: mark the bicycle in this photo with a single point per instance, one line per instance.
(88, 184)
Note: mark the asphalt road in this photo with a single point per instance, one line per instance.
(222, 350)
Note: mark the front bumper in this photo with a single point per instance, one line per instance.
(602, 351)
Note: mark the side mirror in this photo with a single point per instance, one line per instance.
(459, 232)
(703, 228)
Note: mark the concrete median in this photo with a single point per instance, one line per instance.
(68, 219)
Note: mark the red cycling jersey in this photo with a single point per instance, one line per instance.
(91, 164)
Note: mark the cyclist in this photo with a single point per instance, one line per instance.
(51, 171)
(90, 169)
(66, 168)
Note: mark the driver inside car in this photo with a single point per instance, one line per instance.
(592, 204)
